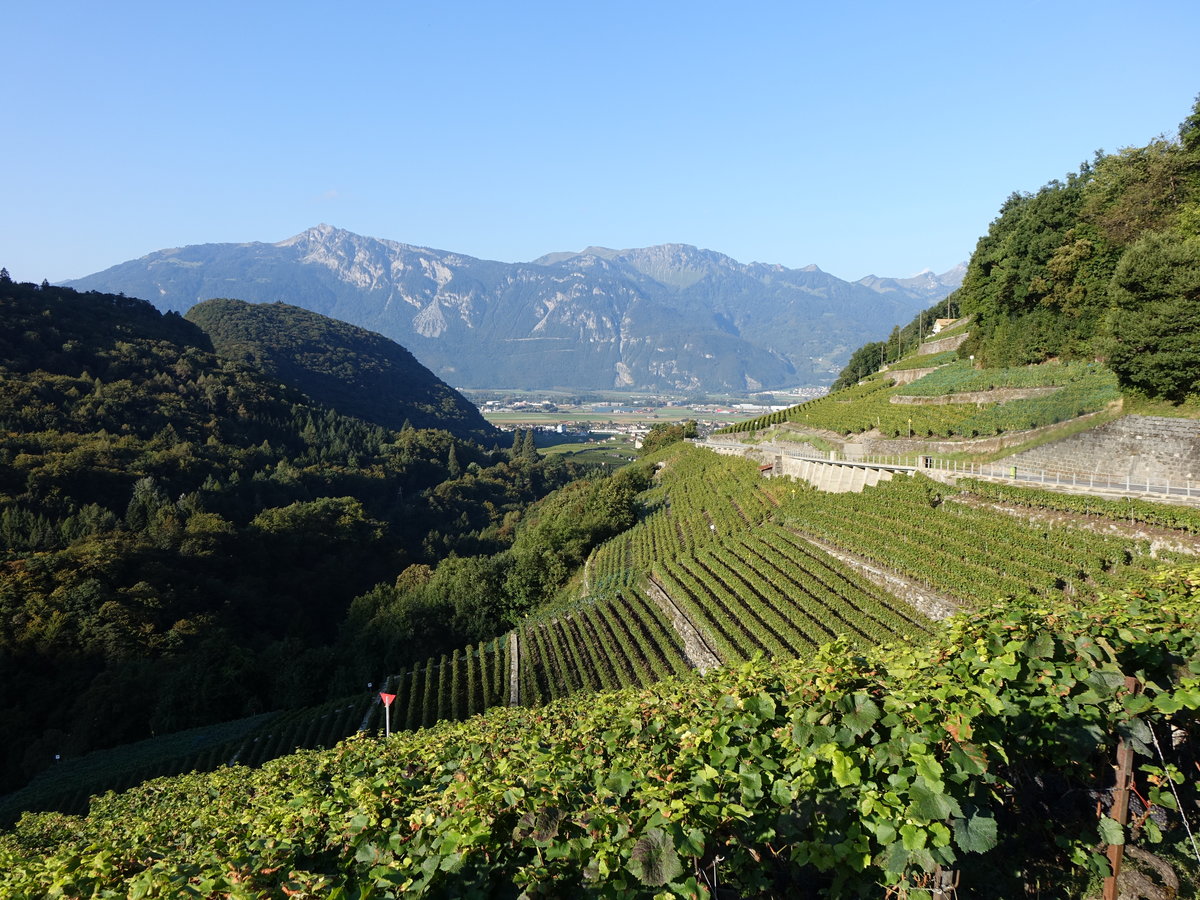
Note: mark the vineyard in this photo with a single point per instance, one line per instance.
(924, 361)
(973, 554)
(70, 784)
(1127, 509)
(604, 645)
(731, 552)
(732, 549)
(453, 686)
(1082, 388)
(851, 774)
(746, 584)
(961, 376)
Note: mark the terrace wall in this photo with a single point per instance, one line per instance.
(942, 344)
(1140, 447)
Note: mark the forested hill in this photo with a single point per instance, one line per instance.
(181, 537)
(1105, 263)
(355, 371)
(1102, 265)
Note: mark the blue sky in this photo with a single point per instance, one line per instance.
(866, 137)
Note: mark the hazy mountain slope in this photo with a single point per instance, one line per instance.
(927, 284)
(668, 317)
(355, 371)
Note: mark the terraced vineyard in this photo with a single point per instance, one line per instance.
(319, 726)
(973, 554)
(1163, 515)
(960, 376)
(453, 686)
(613, 643)
(756, 595)
(1082, 388)
(710, 545)
(68, 786)
(924, 361)
(731, 551)
(843, 775)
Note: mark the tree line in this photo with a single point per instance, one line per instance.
(1102, 264)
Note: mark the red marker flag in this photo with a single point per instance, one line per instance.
(386, 698)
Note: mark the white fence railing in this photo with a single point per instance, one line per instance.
(1023, 475)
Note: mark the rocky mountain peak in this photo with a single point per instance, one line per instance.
(671, 316)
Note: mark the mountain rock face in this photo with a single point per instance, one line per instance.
(670, 317)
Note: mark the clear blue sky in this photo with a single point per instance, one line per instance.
(866, 137)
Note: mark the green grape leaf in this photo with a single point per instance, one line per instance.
(619, 782)
(864, 714)
(930, 802)
(1111, 831)
(976, 833)
(654, 860)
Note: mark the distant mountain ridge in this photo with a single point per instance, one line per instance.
(928, 283)
(669, 317)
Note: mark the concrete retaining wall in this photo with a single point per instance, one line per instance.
(832, 477)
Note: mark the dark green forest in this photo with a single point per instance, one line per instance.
(355, 371)
(182, 537)
(1102, 264)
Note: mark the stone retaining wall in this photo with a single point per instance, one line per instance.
(908, 376)
(873, 444)
(996, 395)
(942, 344)
(1140, 447)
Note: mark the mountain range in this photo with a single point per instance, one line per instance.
(670, 317)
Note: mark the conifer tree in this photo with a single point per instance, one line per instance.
(528, 448)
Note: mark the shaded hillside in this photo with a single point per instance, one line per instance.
(671, 317)
(181, 537)
(355, 371)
